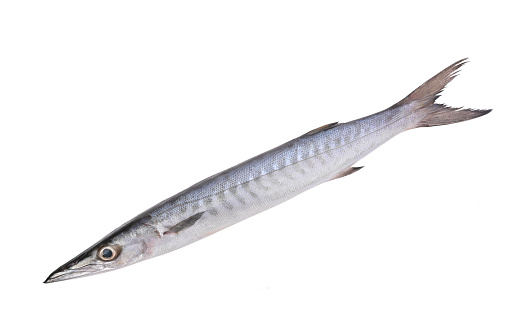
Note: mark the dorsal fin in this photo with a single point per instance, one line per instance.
(321, 129)
(182, 225)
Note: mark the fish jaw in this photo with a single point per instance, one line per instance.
(62, 274)
(82, 265)
(131, 243)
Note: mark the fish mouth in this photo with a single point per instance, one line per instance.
(62, 273)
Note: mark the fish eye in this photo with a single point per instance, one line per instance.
(107, 253)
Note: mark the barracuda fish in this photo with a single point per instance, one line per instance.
(323, 154)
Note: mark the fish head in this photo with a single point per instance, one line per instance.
(124, 246)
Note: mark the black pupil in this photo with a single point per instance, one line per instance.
(107, 253)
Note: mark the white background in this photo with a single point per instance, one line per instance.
(110, 107)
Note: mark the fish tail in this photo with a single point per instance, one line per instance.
(434, 114)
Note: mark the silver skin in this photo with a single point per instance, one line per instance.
(255, 185)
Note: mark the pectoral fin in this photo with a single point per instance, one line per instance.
(347, 172)
(182, 225)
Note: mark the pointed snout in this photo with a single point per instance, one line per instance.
(65, 272)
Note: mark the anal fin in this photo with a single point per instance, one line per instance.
(347, 172)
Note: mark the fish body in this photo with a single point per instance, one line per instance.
(326, 153)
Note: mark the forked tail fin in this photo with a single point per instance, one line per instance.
(423, 98)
